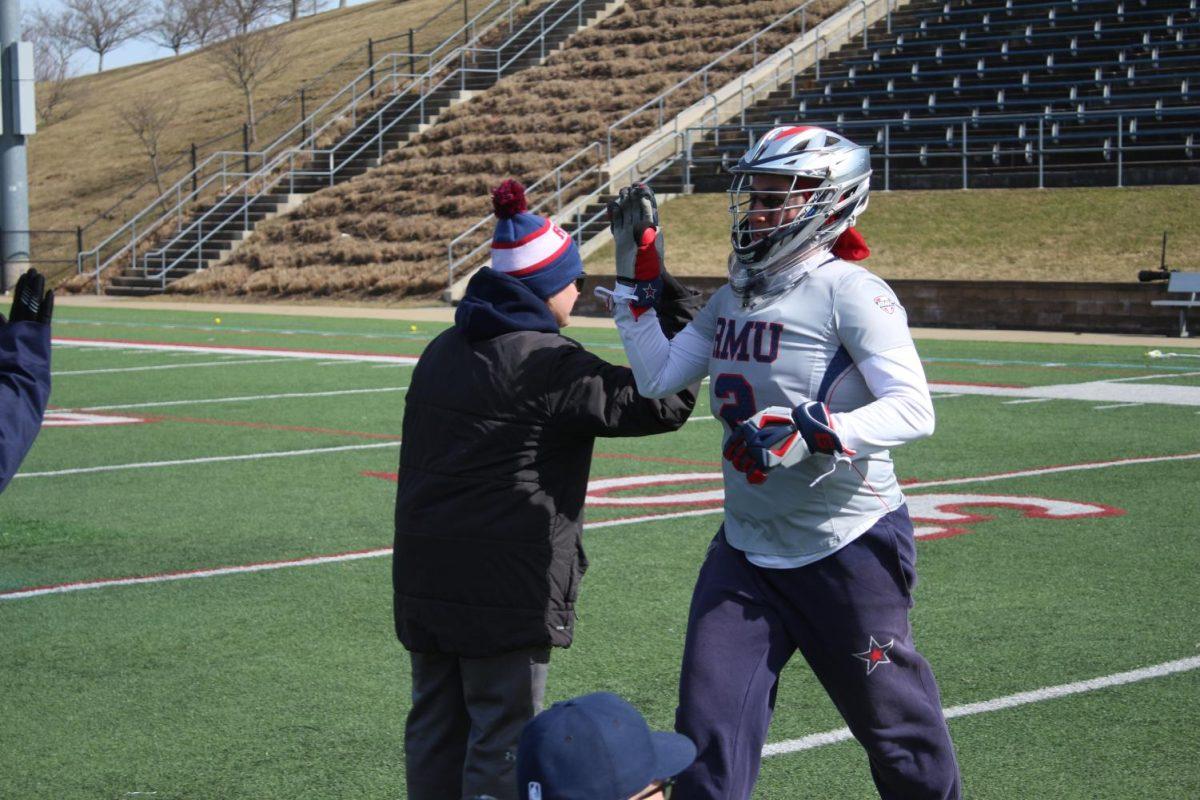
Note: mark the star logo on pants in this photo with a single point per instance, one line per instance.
(876, 654)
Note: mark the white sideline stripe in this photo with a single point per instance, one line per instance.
(944, 396)
(272, 565)
(1021, 402)
(170, 366)
(74, 587)
(200, 573)
(1000, 703)
(380, 358)
(205, 460)
(1094, 391)
(1168, 376)
(285, 396)
(1115, 405)
(1025, 473)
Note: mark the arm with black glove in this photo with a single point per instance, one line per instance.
(638, 239)
(24, 370)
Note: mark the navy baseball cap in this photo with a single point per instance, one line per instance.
(595, 747)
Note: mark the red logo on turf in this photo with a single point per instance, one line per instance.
(876, 654)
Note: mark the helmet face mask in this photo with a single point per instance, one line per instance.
(794, 192)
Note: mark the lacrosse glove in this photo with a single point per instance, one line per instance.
(31, 301)
(781, 437)
(633, 219)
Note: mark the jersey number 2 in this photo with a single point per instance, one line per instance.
(739, 396)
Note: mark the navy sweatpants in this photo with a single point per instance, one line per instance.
(847, 614)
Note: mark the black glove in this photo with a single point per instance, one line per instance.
(31, 301)
(678, 306)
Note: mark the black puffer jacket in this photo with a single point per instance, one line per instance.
(500, 418)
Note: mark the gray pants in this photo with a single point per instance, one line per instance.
(467, 714)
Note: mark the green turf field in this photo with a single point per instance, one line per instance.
(250, 492)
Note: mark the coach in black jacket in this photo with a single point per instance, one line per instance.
(500, 418)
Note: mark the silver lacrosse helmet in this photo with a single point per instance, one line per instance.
(794, 192)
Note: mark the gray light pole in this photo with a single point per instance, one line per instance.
(14, 186)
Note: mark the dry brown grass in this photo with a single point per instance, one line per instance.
(82, 164)
(437, 186)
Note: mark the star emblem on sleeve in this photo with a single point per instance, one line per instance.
(876, 654)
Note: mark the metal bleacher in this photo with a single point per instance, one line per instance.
(1001, 93)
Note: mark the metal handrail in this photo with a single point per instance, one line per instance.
(267, 169)
(702, 74)
(370, 75)
(751, 42)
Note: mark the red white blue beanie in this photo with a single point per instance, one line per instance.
(530, 248)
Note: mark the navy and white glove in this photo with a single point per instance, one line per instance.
(638, 239)
(31, 301)
(780, 437)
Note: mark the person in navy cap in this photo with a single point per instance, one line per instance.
(500, 418)
(24, 371)
(598, 747)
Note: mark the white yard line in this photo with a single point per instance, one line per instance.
(1164, 376)
(245, 398)
(205, 460)
(173, 366)
(1026, 473)
(1116, 405)
(1021, 402)
(1008, 701)
(1097, 391)
(173, 347)
(207, 573)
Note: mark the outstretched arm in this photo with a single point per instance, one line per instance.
(660, 365)
(24, 371)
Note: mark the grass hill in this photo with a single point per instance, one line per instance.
(986, 234)
(83, 163)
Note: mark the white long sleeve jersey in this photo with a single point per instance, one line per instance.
(840, 337)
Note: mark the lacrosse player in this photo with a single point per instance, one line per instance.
(24, 370)
(815, 377)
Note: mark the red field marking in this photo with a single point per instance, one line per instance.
(941, 516)
(213, 572)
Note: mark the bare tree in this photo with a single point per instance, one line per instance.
(101, 25)
(205, 18)
(53, 47)
(148, 117)
(247, 60)
(243, 16)
(171, 25)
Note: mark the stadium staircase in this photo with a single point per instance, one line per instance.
(386, 232)
(207, 233)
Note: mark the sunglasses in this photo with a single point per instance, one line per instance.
(580, 282)
(665, 787)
